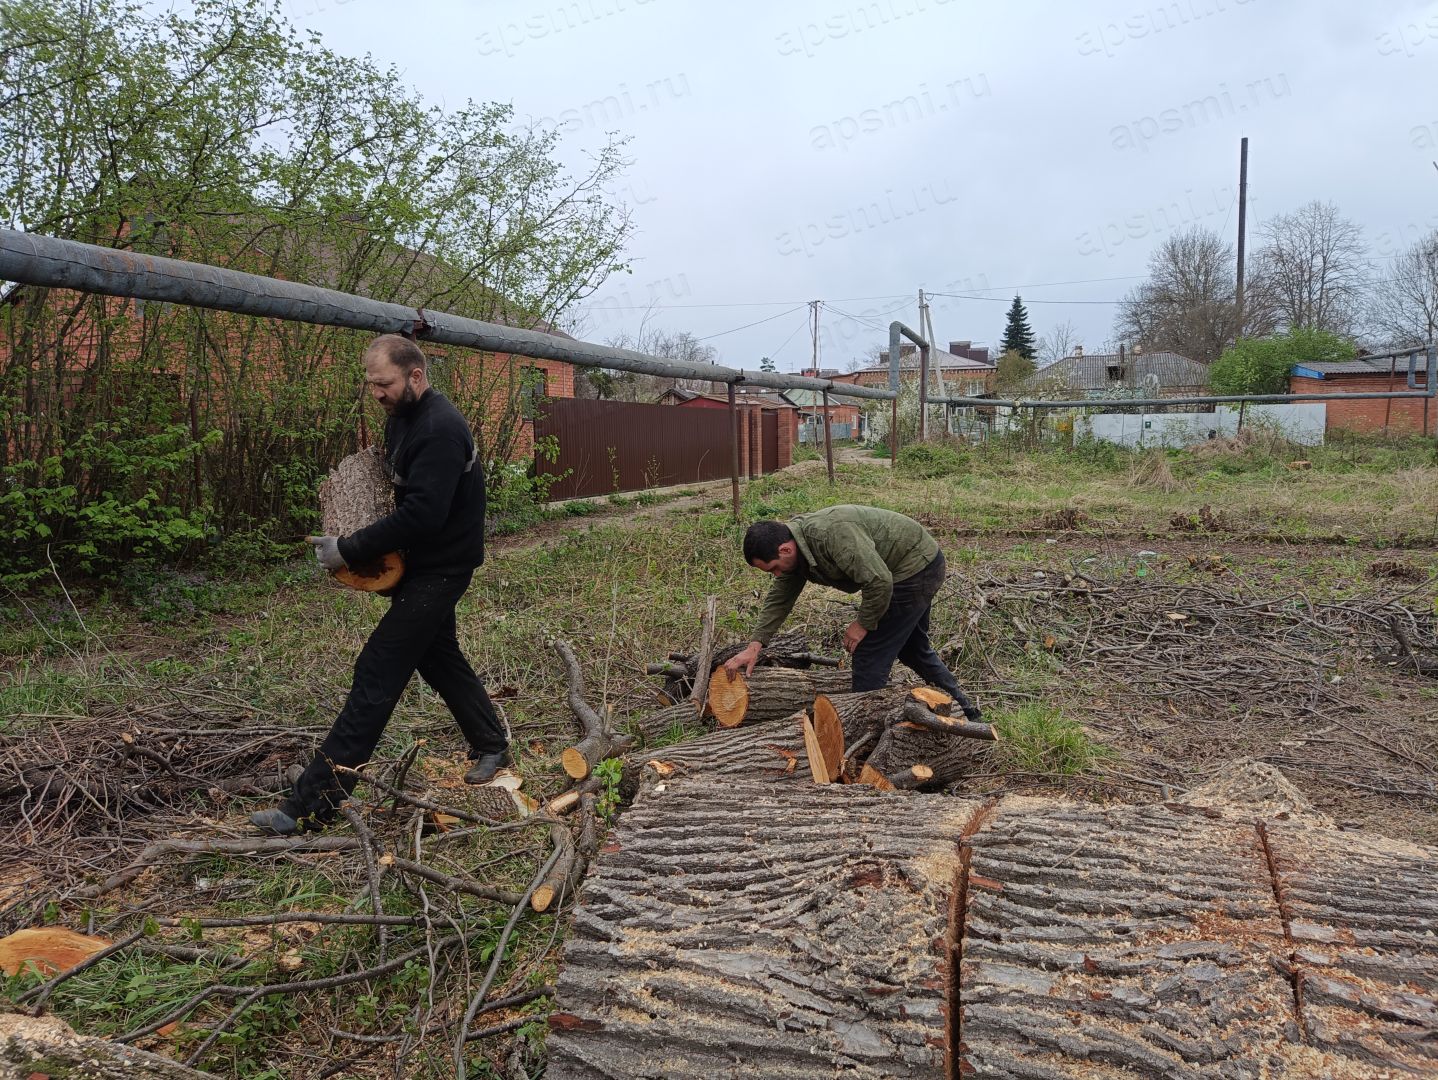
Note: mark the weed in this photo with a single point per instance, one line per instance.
(931, 459)
(1037, 739)
(579, 508)
(608, 772)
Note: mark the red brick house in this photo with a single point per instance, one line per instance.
(1368, 415)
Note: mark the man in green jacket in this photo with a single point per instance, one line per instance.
(890, 559)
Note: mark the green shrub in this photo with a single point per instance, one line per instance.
(928, 460)
(1262, 365)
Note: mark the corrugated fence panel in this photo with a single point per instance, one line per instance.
(609, 446)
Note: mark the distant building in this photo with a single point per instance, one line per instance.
(1133, 373)
(1385, 415)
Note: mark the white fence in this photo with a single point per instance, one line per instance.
(1300, 422)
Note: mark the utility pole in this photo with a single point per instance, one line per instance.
(828, 427)
(1242, 221)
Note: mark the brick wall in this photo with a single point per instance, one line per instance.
(1371, 415)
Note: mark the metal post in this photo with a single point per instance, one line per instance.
(828, 438)
(894, 432)
(734, 450)
(923, 392)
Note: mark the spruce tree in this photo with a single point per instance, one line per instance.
(1018, 335)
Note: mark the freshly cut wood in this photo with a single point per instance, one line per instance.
(728, 698)
(562, 803)
(770, 693)
(818, 767)
(356, 494)
(661, 769)
(597, 741)
(829, 738)
(913, 777)
(897, 743)
(873, 778)
(785, 650)
(48, 950)
(562, 878)
(937, 700)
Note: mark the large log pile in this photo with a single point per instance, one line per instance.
(741, 928)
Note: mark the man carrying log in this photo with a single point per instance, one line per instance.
(889, 558)
(438, 522)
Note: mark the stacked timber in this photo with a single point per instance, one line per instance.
(734, 928)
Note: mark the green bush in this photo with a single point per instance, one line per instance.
(1262, 365)
(928, 460)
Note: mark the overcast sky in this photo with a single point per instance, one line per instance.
(856, 153)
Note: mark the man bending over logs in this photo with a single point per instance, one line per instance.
(889, 558)
(438, 521)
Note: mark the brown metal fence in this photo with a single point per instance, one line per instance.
(609, 446)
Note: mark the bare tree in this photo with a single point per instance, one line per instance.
(1403, 308)
(1312, 268)
(1187, 304)
(1057, 343)
(666, 344)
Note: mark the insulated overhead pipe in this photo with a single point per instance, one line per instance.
(67, 264)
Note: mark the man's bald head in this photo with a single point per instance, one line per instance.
(399, 351)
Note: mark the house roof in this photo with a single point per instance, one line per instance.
(1318, 369)
(1093, 372)
(937, 358)
(813, 399)
(773, 399)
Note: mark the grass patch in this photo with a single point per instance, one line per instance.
(1040, 740)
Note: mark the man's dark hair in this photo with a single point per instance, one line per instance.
(763, 539)
(400, 351)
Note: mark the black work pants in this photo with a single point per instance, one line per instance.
(417, 633)
(903, 634)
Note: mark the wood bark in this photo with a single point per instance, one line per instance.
(889, 718)
(46, 1046)
(785, 650)
(771, 693)
(357, 493)
(724, 932)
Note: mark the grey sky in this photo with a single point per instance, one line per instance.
(857, 152)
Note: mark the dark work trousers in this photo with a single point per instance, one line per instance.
(903, 634)
(417, 633)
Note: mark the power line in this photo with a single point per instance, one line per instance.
(757, 322)
(1005, 300)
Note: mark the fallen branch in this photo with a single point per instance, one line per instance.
(597, 741)
(257, 846)
(367, 848)
(706, 655)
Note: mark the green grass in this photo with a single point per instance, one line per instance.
(1040, 740)
(279, 645)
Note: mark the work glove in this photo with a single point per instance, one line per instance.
(327, 551)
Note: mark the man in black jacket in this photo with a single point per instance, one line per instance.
(438, 522)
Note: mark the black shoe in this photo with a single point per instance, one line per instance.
(275, 822)
(486, 765)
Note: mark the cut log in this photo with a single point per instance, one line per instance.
(563, 876)
(829, 739)
(46, 1046)
(818, 767)
(785, 650)
(691, 957)
(873, 778)
(898, 745)
(770, 693)
(356, 494)
(562, 804)
(913, 777)
(597, 741)
(773, 750)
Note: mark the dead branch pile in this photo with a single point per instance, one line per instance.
(131, 817)
(1216, 654)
